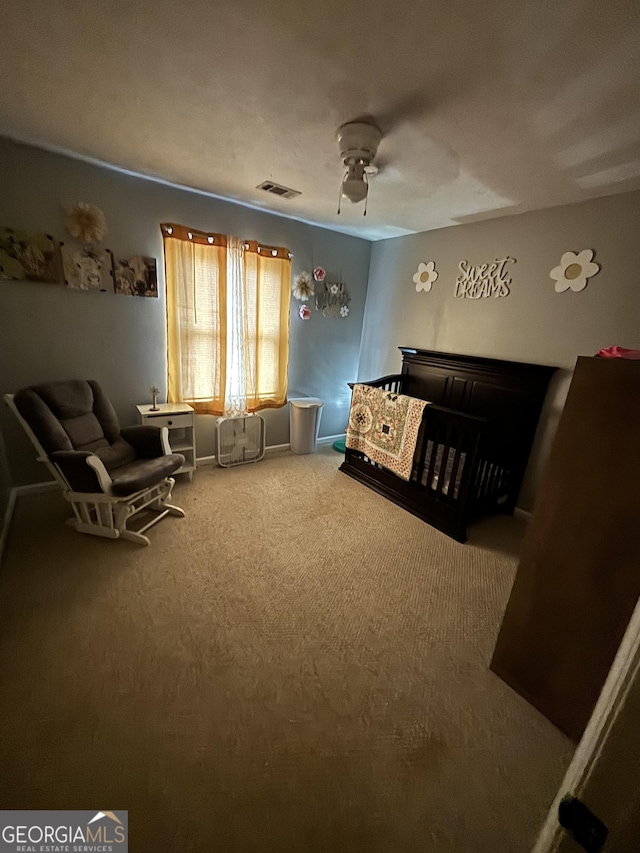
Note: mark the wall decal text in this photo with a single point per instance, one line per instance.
(483, 280)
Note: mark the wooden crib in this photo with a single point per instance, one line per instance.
(474, 441)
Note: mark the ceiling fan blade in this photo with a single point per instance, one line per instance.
(412, 106)
(381, 163)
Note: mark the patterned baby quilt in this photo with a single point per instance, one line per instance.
(385, 426)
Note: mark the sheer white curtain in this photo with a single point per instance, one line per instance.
(235, 392)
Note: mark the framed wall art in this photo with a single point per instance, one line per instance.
(87, 269)
(28, 256)
(136, 276)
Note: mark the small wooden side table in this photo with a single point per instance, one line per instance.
(179, 419)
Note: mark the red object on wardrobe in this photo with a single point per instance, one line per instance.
(618, 352)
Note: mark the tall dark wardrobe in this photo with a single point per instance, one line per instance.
(578, 580)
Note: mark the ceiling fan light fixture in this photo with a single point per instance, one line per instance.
(358, 144)
(354, 184)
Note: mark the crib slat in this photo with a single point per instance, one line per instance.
(432, 461)
(493, 489)
(421, 459)
(451, 494)
(483, 479)
(489, 478)
(442, 474)
(476, 478)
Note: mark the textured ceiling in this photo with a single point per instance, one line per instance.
(507, 105)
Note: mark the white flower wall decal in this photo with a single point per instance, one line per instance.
(425, 276)
(574, 270)
(303, 287)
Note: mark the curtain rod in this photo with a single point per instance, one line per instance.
(168, 228)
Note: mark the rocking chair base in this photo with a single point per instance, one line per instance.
(106, 516)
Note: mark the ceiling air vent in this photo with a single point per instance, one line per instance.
(278, 189)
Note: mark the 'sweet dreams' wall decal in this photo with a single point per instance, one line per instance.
(483, 280)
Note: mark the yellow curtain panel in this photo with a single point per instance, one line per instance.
(267, 293)
(202, 321)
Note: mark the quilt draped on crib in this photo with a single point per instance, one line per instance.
(385, 427)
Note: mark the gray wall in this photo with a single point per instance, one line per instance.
(48, 332)
(533, 323)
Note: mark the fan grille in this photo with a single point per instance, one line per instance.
(240, 440)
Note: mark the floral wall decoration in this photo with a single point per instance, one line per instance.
(574, 271)
(303, 287)
(86, 223)
(87, 268)
(483, 280)
(304, 312)
(333, 300)
(425, 277)
(136, 276)
(28, 256)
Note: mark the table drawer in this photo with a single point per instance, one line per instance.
(169, 420)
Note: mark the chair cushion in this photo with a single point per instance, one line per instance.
(85, 432)
(143, 473)
(115, 455)
(69, 399)
(70, 415)
(46, 427)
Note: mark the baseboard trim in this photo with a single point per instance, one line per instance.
(6, 521)
(329, 439)
(37, 488)
(326, 439)
(203, 461)
(524, 514)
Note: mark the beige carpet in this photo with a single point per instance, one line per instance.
(297, 666)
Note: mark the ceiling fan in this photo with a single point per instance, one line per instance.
(401, 121)
(358, 144)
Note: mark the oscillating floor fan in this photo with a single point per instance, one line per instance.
(240, 440)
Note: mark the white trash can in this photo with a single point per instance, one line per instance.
(304, 423)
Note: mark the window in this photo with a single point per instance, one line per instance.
(227, 321)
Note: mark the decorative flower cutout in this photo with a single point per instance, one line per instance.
(303, 287)
(425, 276)
(86, 222)
(360, 418)
(305, 312)
(334, 289)
(574, 270)
(319, 274)
(344, 311)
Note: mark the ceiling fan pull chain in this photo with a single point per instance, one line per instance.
(340, 197)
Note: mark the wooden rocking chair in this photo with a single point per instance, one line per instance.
(108, 475)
